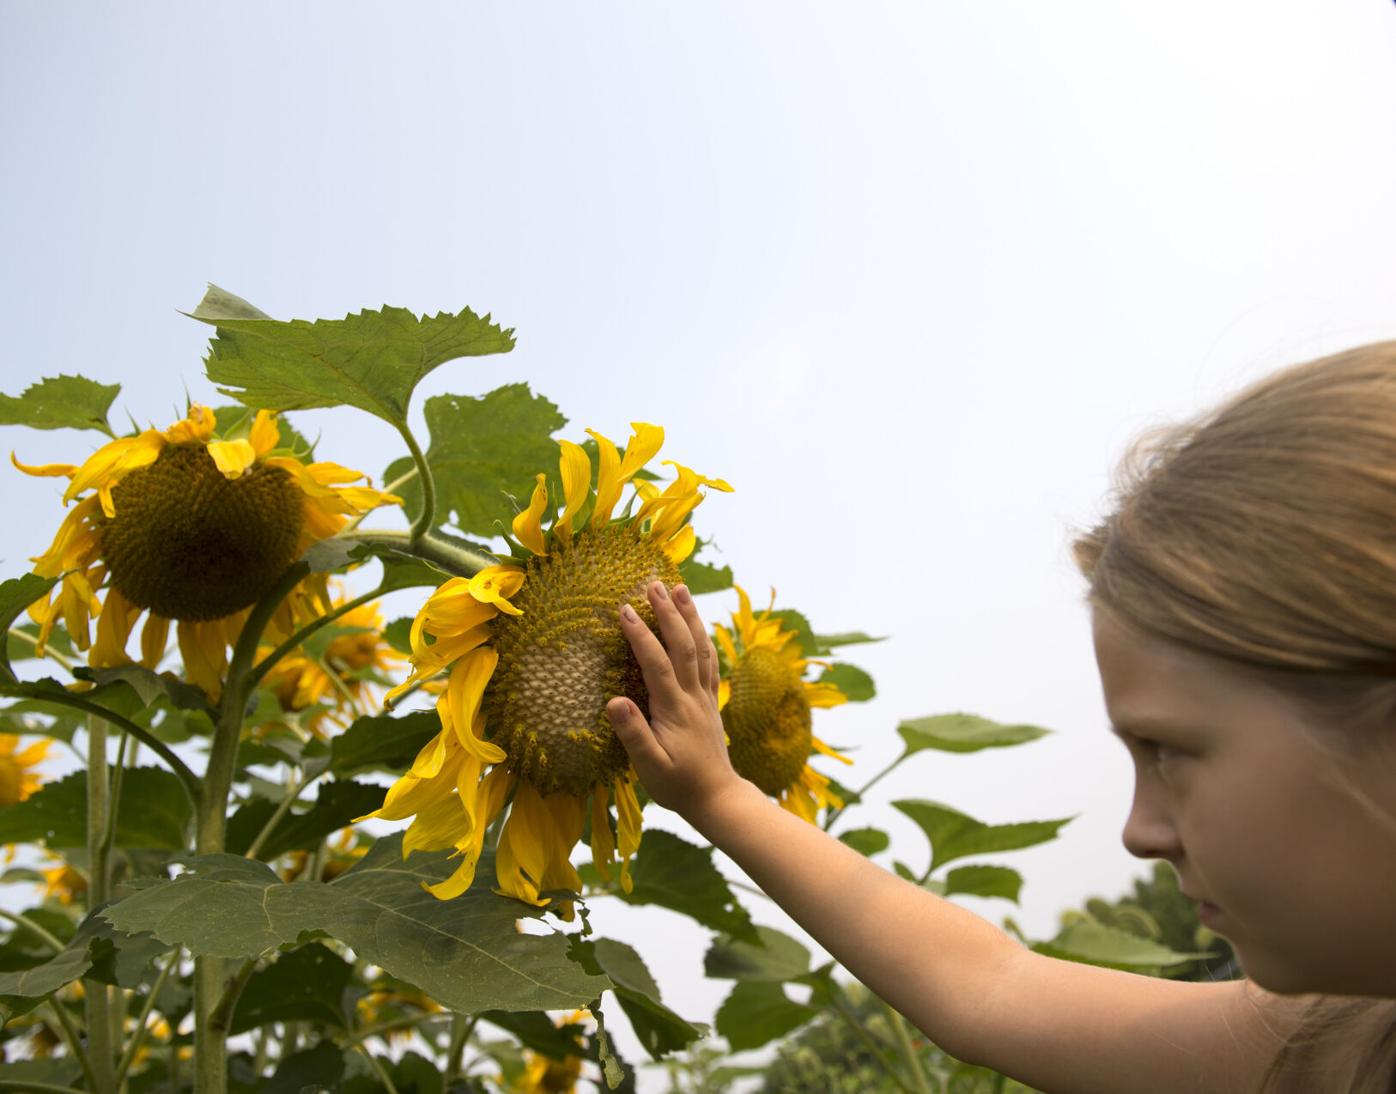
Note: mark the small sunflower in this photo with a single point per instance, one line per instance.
(17, 779)
(766, 710)
(535, 652)
(192, 528)
(64, 884)
(544, 1075)
(337, 686)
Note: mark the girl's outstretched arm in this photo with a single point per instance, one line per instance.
(974, 991)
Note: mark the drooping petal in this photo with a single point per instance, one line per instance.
(824, 750)
(205, 654)
(575, 467)
(232, 458)
(495, 584)
(265, 434)
(680, 546)
(528, 525)
(113, 630)
(603, 841)
(440, 825)
(627, 829)
(524, 846)
(464, 692)
(46, 470)
(155, 635)
(115, 460)
(643, 446)
(196, 427)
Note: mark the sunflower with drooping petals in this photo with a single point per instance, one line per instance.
(17, 778)
(189, 527)
(766, 706)
(335, 687)
(534, 652)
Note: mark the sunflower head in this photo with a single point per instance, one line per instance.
(188, 526)
(767, 708)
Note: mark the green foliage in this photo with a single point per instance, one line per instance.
(154, 813)
(963, 733)
(381, 741)
(673, 873)
(371, 360)
(955, 835)
(61, 402)
(866, 841)
(757, 1012)
(659, 1029)
(16, 595)
(482, 451)
(309, 984)
(337, 804)
(775, 958)
(700, 577)
(851, 680)
(465, 952)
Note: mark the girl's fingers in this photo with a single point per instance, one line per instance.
(702, 645)
(655, 665)
(678, 639)
(636, 735)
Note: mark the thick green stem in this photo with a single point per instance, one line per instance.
(427, 517)
(211, 979)
(462, 1025)
(96, 996)
(460, 561)
(913, 1062)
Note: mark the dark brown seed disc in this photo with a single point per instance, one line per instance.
(189, 543)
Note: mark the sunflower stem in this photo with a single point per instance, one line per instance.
(377, 1065)
(70, 1035)
(427, 517)
(913, 1062)
(211, 981)
(109, 830)
(33, 640)
(96, 997)
(460, 561)
(267, 663)
(846, 1012)
(462, 1025)
(187, 778)
(133, 1046)
(283, 807)
(33, 928)
(835, 814)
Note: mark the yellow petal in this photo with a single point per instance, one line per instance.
(113, 630)
(524, 846)
(575, 467)
(265, 435)
(205, 654)
(528, 525)
(46, 470)
(824, 695)
(155, 635)
(195, 427)
(627, 828)
(439, 826)
(603, 841)
(112, 461)
(232, 457)
(644, 444)
(431, 757)
(724, 694)
(464, 692)
(824, 750)
(495, 584)
(681, 546)
(608, 479)
(568, 814)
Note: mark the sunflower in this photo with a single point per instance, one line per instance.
(17, 781)
(64, 884)
(766, 709)
(544, 1075)
(534, 652)
(303, 681)
(185, 526)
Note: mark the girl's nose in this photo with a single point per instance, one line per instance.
(1149, 833)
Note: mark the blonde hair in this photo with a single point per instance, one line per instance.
(1264, 533)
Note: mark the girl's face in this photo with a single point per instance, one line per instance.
(1252, 816)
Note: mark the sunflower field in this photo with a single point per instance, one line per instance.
(304, 846)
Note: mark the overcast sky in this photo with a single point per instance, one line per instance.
(909, 276)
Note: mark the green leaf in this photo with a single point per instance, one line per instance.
(154, 812)
(307, 984)
(1094, 943)
(537, 1032)
(866, 841)
(237, 421)
(851, 680)
(22, 644)
(954, 834)
(58, 1071)
(984, 881)
(382, 741)
(398, 634)
(314, 1069)
(337, 805)
(827, 642)
(150, 687)
(778, 958)
(675, 874)
(659, 1029)
(464, 953)
(371, 359)
(16, 595)
(963, 733)
(482, 449)
(702, 578)
(61, 402)
(757, 1013)
(96, 943)
(791, 620)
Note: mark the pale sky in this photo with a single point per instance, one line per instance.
(909, 276)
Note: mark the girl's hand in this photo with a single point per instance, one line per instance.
(680, 754)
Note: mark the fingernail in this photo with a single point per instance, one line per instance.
(681, 594)
(658, 587)
(618, 711)
(629, 613)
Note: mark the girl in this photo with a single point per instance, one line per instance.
(1243, 595)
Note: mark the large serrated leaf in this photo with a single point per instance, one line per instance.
(95, 943)
(61, 402)
(382, 741)
(337, 804)
(675, 874)
(954, 835)
(756, 1013)
(307, 984)
(154, 812)
(482, 451)
(658, 1028)
(963, 733)
(778, 958)
(464, 953)
(371, 359)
